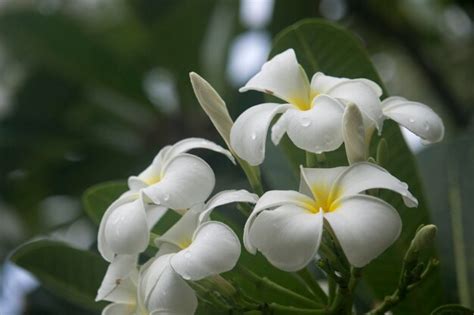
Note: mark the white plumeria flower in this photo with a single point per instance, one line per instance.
(312, 114)
(286, 226)
(176, 179)
(416, 117)
(192, 249)
(120, 286)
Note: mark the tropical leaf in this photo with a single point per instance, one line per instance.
(68, 272)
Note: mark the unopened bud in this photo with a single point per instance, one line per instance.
(423, 239)
(353, 133)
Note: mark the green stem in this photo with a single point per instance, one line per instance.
(277, 309)
(311, 159)
(343, 300)
(253, 176)
(276, 287)
(311, 282)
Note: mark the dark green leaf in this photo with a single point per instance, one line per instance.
(68, 272)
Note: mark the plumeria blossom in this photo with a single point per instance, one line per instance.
(312, 112)
(192, 249)
(175, 180)
(286, 226)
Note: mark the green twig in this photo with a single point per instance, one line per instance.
(276, 287)
(311, 282)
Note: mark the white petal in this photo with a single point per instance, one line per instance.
(104, 247)
(151, 174)
(119, 283)
(280, 127)
(272, 199)
(288, 236)
(354, 135)
(318, 129)
(361, 95)
(195, 143)
(226, 197)
(249, 132)
(187, 180)
(365, 227)
(321, 83)
(417, 117)
(126, 229)
(165, 291)
(154, 214)
(213, 105)
(119, 309)
(283, 77)
(362, 176)
(215, 249)
(313, 181)
(181, 233)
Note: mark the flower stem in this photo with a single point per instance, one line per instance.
(276, 287)
(309, 279)
(253, 176)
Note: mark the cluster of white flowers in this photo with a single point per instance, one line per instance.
(285, 226)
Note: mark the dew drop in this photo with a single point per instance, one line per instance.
(166, 197)
(305, 122)
(187, 254)
(253, 136)
(186, 276)
(412, 120)
(404, 185)
(426, 126)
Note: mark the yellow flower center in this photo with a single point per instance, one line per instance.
(184, 243)
(324, 199)
(301, 103)
(152, 180)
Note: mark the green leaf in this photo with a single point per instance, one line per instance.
(99, 197)
(326, 47)
(452, 309)
(449, 169)
(68, 272)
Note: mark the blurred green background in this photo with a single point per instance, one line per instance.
(91, 90)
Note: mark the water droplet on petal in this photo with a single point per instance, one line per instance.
(426, 126)
(166, 197)
(187, 254)
(253, 136)
(412, 120)
(305, 122)
(404, 185)
(186, 276)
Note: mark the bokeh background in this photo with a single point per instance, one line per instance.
(90, 91)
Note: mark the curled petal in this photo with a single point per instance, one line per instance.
(321, 83)
(361, 95)
(249, 132)
(283, 77)
(163, 291)
(187, 180)
(119, 309)
(288, 236)
(319, 128)
(272, 199)
(195, 143)
(215, 249)
(102, 244)
(280, 127)
(151, 174)
(416, 117)
(365, 227)
(120, 281)
(226, 197)
(362, 176)
(126, 229)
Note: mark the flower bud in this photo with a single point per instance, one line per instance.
(423, 239)
(354, 134)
